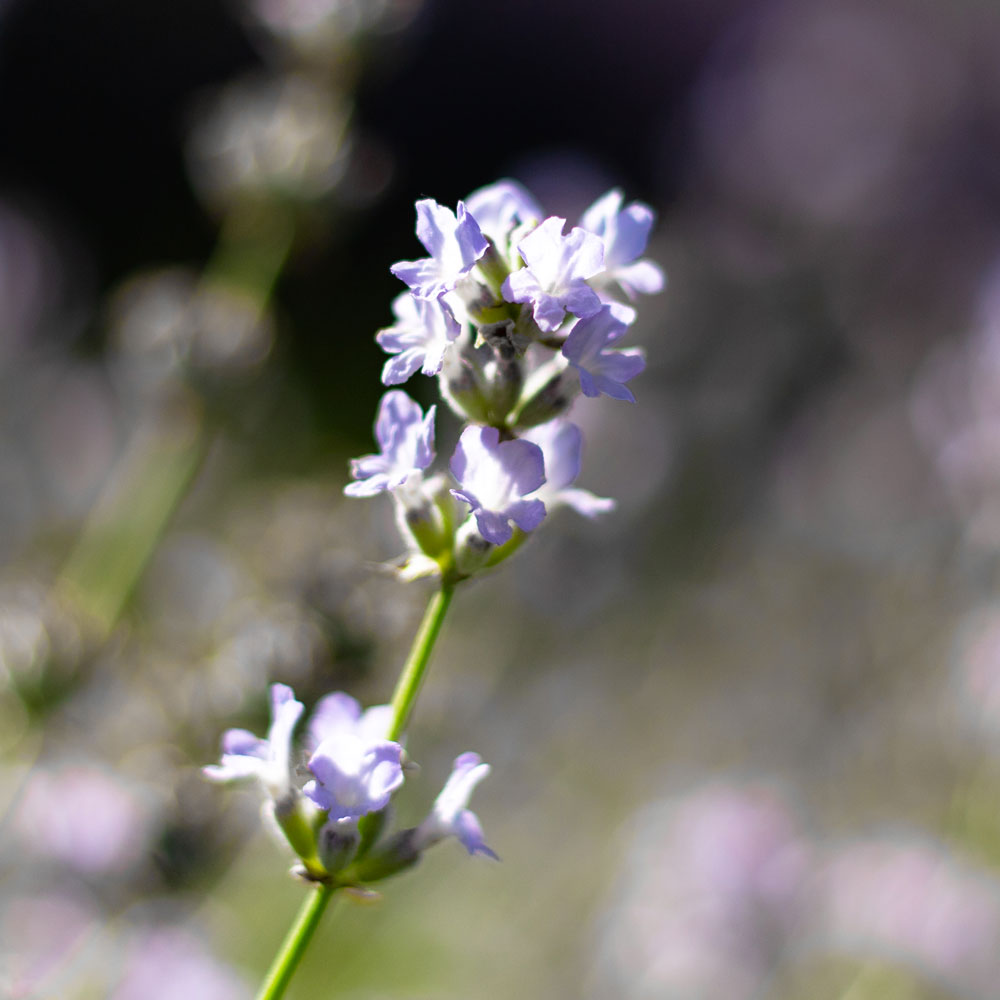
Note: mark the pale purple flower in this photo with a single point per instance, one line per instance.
(454, 243)
(406, 439)
(495, 478)
(713, 888)
(340, 713)
(84, 817)
(450, 816)
(554, 279)
(423, 331)
(500, 207)
(562, 443)
(48, 939)
(268, 760)
(602, 370)
(910, 899)
(168, 962)
(354, 773)
(624, 233)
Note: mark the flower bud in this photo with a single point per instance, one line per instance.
(480, 303)
(506, 339)
(493, 268)
(290, 813)
(471, 549)
(397, 854)
(338, 844)
(481, 384)
(505, 551)
(371, 827)
(503, 372)
(459, 383)
(548, 393)
(425, 513)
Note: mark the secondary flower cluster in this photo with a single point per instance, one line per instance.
(336, 822)
(516, 317)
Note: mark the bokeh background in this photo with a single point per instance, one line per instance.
(745, 731)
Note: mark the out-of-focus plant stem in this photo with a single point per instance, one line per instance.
(161, 460)
(129, 519)
(254, 243)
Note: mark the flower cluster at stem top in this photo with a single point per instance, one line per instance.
(516, 317)
(337, 821)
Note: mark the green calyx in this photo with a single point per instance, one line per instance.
(300, 831)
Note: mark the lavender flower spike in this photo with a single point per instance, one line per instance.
(603, 371)
(454, 244)
(247, 756)
(624, 233)
(562, 443)
(406, 439)
(555, 278)
(423, 331)
(356, 770)
(449, 817)
(495, 478)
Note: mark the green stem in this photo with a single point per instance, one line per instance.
(408, 685)
(126, 524)
(295, 944)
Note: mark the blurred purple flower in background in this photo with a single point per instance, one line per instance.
(909, 900)
(712, 886)
(86, 818)
(956, 410)
(823, 110)
(49, 945)
(170, 963)
(977, 670)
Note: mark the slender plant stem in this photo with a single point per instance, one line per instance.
(295, 943)
(408, 685)
(153, 476)
(125, 526)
